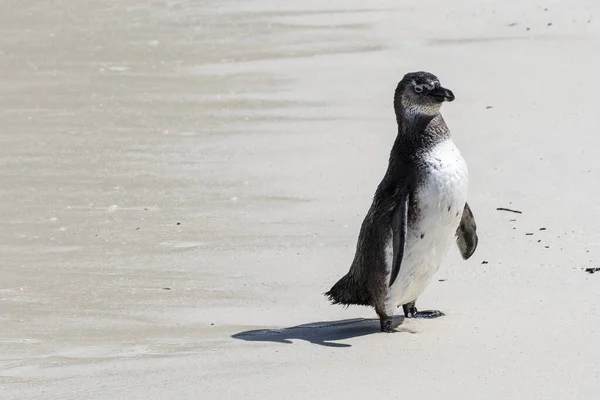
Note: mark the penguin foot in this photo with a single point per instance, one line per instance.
(410, 311)
(428, 314)
(386, 325)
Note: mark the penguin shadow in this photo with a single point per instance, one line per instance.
(325, 333)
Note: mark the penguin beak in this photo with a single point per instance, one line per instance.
(442, 94)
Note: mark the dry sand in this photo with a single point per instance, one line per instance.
(182, 180)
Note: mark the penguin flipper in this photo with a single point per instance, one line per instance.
(399, 226)
(466, 233)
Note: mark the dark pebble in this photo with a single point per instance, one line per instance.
(592, 270)
(542, 229)
(166, 288)
(484, 262)
(529, 233)
(488, 107)
(179, 223)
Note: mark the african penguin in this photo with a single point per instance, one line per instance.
(417, 210)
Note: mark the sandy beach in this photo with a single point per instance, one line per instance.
(181, 181)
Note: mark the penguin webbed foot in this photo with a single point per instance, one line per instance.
(386, 324)
(428, 314)
(410, 311)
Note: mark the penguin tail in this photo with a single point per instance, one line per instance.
(348, 291)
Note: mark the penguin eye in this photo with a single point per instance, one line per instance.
(418, 89)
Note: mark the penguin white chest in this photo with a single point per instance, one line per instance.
(440, 198)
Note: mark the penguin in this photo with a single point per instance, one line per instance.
(418, 210)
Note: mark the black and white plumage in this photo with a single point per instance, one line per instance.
(419, 208)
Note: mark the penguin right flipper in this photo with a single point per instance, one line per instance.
(399, 226)
(466, 233)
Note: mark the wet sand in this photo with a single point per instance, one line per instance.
(182, 180)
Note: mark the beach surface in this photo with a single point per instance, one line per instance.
(181, 181)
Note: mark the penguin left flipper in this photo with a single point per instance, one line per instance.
(399, 226)
(466, 233)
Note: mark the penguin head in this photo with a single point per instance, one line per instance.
(420, 93)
